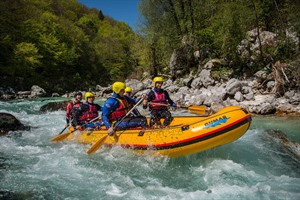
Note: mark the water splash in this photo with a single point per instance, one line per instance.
(31, 167)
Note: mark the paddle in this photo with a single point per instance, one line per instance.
(65, 135)
(197, 109)
(64, 129)
(99, 143)
(62, 137)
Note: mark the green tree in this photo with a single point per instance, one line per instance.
(26, 60)
(113, 46)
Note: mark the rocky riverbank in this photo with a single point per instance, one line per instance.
(255, 94)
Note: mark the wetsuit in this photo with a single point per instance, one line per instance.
(115, 108)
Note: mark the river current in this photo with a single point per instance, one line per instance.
(256, 166)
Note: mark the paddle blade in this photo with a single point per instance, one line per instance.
(60, 137)
(97, 145)
(197, 109)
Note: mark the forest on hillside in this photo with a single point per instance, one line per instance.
(62, 45)
(215, 28)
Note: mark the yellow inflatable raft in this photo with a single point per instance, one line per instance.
(186, 135)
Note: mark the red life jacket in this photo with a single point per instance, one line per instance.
(159, 99)
(92, 113)
(120, 111)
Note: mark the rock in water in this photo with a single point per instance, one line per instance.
(9, 122)
(292, 147)
(54, 106)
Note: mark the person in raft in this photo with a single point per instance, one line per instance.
(72, 107)
(158, 100)
(87, 112)
(128, 92)
(116, 107)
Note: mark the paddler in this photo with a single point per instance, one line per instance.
(72, 107)
(158, 100)
(87, 112)
(116, 107)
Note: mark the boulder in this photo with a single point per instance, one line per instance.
(54, 106)
(135, 85)
(233, 86)
(8, 122)
(282, 139)
(37, 91)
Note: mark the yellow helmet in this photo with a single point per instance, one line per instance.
(88, 95)
(128, 89)
(118, 86)
(157, 79)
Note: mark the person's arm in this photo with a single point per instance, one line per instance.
(107, 108)
(130, 100)
(169, 99)
(68, 112)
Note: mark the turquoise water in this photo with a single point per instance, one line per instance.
(256, 166)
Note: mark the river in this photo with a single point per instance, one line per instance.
(256, 166)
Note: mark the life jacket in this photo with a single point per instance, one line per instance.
(159, 99)
(75, 108)
(120, 111)
(92, 113)
(72, 108)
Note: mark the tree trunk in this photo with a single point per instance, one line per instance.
(257, 29)
(153, 68)
(280, 78)
(172, 10)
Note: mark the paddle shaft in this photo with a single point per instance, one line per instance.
(95, 119)
(63, 129)
(98, 144)
(65, 135)
(201, 109)
(128, 113)
(87, 123)
(160, 104)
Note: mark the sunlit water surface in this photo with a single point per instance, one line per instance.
(256, 166)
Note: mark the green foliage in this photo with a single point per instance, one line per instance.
(27, 54)
(88, 24)
(285, 49)
(222, 73)
(206, 44)
(62, 45)
(215, 28)
(115, 45)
